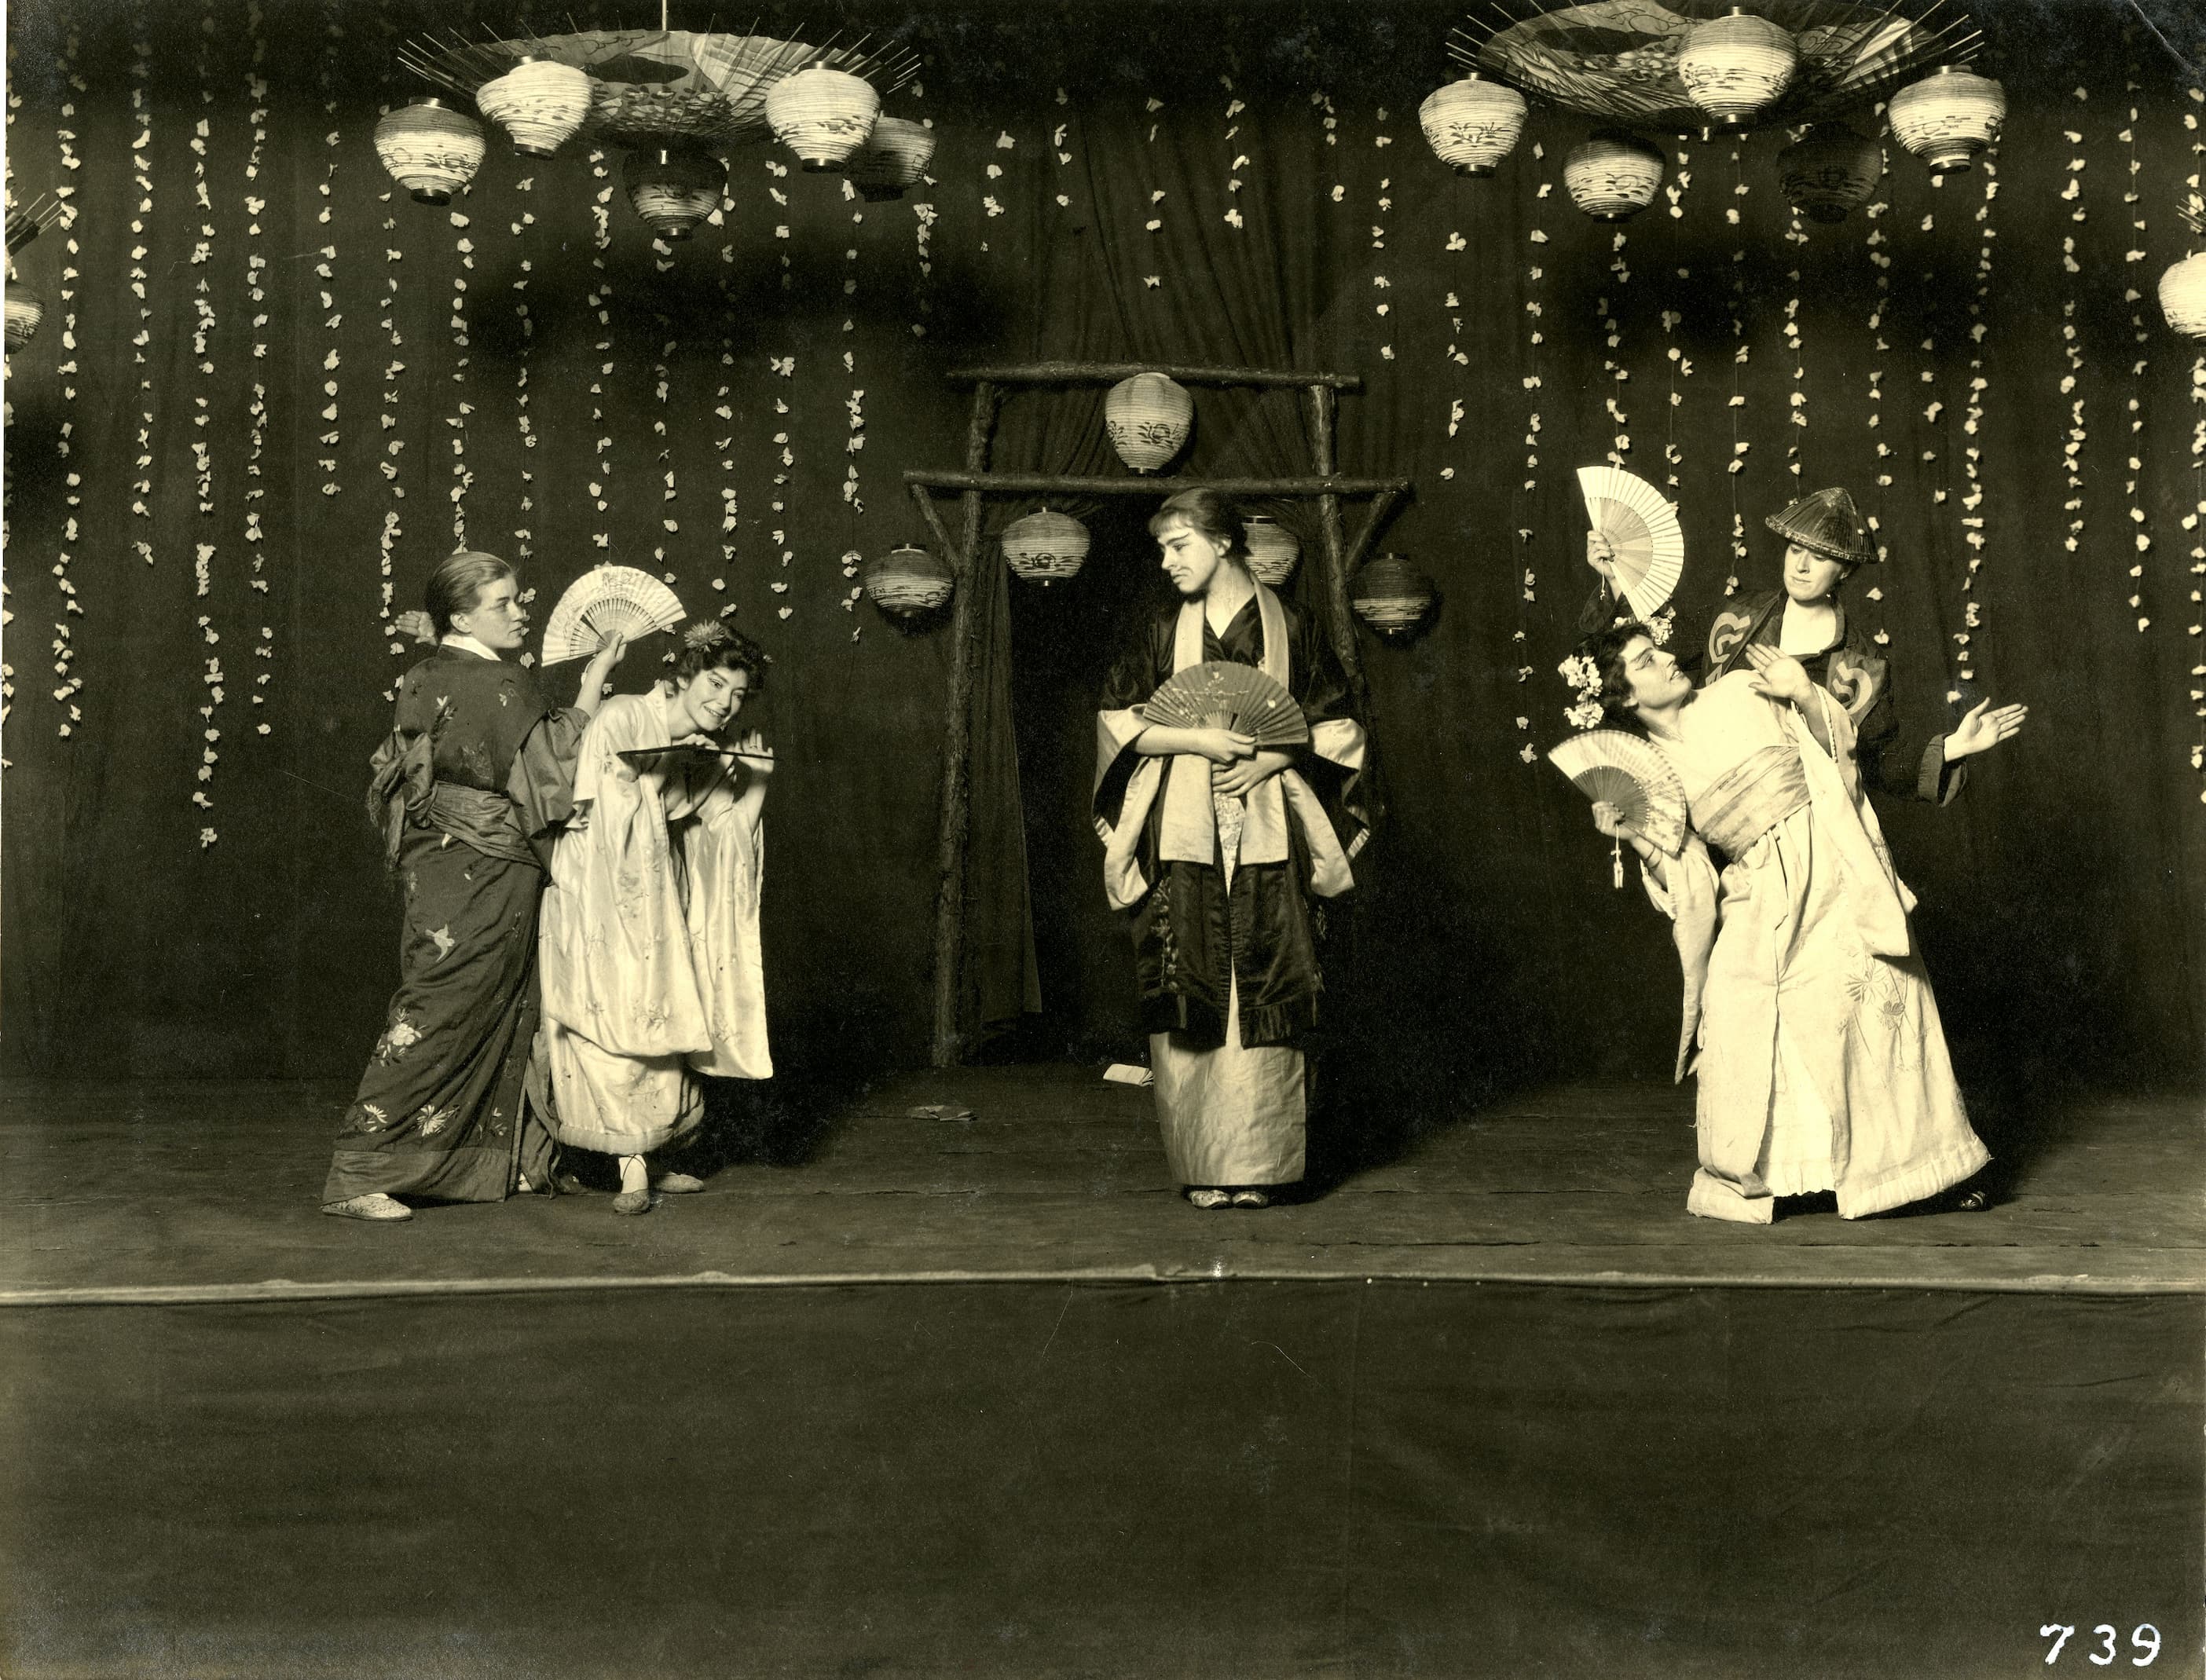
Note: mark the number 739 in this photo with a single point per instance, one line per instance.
(2144, 1637)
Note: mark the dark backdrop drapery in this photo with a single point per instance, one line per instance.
(2061, 907)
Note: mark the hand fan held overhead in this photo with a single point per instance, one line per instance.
(603, 600)
(1220, 694)
(1642, 528)
(1632, 774)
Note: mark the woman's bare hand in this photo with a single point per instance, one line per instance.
(1221, 746)
(1610, 820)
(1778, 675)
(1245, 776)
(754, 752)
(1600, 555)
(1982, 728)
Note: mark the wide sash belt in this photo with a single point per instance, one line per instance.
(1752, 798)
(490, 822)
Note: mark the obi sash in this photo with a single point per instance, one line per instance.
(1752, 798)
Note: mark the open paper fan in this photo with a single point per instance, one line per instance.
(1632, 774)
(1219, 694)
(607, 599)
(1642, 528)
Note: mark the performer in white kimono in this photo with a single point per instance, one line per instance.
(1822, 1065)
(650, 928)
(1224, 856)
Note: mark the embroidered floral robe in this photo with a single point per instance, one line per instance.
(440, 1110)
(650, 940)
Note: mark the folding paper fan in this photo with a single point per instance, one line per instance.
(1219, 694)
(1642, 527)
(607, 598)
(1632, 774)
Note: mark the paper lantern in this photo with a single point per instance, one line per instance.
(1392, 596)
(1045, 546)
(539, 102)
(24, 312)
(907, 581)
(674, 190)
(893, 159)
(1471, 125)
(2182, 298)
(823, 115)
(1148, 418)
(1272, 551)
(1948, 117)
(430, 149)
(1734, 65)
(1613, 175)
(1829, 172)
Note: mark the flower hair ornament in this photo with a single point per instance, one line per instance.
(707, 633)
(1584, 678)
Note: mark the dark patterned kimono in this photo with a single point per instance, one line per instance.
(440, 1110)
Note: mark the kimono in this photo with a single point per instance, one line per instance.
(650, 939)
(473, 760)
(1225, 896)
(1822, 1065)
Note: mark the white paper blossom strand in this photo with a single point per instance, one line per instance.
(2195, 521)
(2140, 538)
(783, 367)
(1972, 497)
(1739, 355)
(524, 532)
(2072, 447)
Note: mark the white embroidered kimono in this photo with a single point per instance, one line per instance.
(1822, 1065)
(649, 939)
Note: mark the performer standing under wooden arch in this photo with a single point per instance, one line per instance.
(1223, 856)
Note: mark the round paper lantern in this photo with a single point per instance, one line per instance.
(1272, 551)
(893, 159)
(1829, 172)
(430, 149)
(539, 102)
(24, 312)
(907, 581)
(1045, 546)
(1732, 66)
(1392, 596)
(1613, 175)
(2182, 298)
(823, 115)
(1148, 418)
(674, 190)
(1471, 125)
(1948, 117)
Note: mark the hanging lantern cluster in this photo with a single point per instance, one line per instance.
(1148, 418)
(431, 148)
(892, 160)
(673, 190)
(1613, 175)
(1734, 66)
(24, 308)
(1829, 172)
(1948, 117)
(1045, 546)
(1393, 596)
(24, 311)
(822, 114)
(2183, 287)
(907, 581)
(1273, 552)
(540, 102)
(1473, 124)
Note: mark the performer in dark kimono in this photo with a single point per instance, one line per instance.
(1826, 540)
(476, 768)
(1221, 854)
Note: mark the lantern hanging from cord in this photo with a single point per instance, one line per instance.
(1734, 66)
(1471, 125)
(1948, 117)
(822, 115)
(1045, 546)
(892, 160)
(1272, 551)
(907, 581)
(24, 311)
(1148, 418)
(673, 188)
(1393, 596)
(430, 148)
(1829, 172)
(1613, 175)
(539, 102)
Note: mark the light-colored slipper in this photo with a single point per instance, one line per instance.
(632, 1201)
(375, 1206)
(677, 1183)
(1207, 1198)
(1251, 1199)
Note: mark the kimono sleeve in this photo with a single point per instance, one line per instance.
(1335, 764)
(1904, 767)
(1141, 666)
(542, 783)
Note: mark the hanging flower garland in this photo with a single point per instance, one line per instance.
(2139, 536)
(730, 507)
(599, 485)
(71, 684)
(523, 532)
(394, 448)
(1239, 160)
(1611, 313)
(1524, 497)
(2071, 448)
(463, 478)
(1972, 501)
(669, 521)
(785, 367)
(2193, 522)
(256, 264)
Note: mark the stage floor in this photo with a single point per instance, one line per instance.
(207, 1191)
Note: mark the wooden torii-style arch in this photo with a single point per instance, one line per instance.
(1337, 560)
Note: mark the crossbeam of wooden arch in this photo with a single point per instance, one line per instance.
(1338, 559)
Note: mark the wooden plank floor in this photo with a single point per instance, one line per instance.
(203, 1190)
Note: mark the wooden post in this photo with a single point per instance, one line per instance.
(1340, 621)
(957, 744)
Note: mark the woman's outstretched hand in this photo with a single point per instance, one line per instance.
(754, 752)
(1778, 675)
(1983, 728)
(1610, 820)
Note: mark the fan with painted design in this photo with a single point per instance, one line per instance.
(603, 600)
(1220, 694)
(1641, 527)
(1633, 775)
